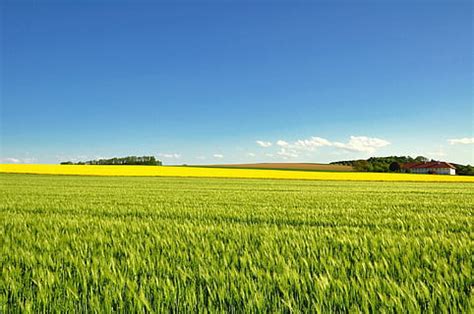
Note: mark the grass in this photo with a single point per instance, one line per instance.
(179, 171)
(129, 244)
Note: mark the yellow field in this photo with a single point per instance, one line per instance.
(287, 166)
(169, 171)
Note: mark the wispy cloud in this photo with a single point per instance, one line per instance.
(287, 153)
(355, 144)
(250, 154)
(362, 144)
(282, 143)
(264, 143)
(169, 155)
(10, 160)
(218, 156)
(439, 153)
(13, 160)
(309, 144)
(464, 140)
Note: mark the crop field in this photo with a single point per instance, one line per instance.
(288, 166)
(181, 171)
(158, 244)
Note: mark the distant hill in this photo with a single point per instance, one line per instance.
(287, 166)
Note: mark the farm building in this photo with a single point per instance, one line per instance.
(433, 167)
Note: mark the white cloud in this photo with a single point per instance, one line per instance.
(439, 153)
(464, 140)
(218, 156)
(250, 154)
(264, 144)
(282, 143)
(355, 144)
(169, 155)
(12, 160)
(311, 144)
(362, 144)
(287, 153)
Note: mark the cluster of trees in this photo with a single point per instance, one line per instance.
(129, 160)
(381, 164)
(462, 170)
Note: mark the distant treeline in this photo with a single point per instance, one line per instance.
(393, 164)
(129, 160)
(379, 164)
(467, 170)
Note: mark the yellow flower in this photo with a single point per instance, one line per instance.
(176, 171)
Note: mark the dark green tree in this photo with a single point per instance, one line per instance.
(129, 160)
(361, 165)
(394, 167)
(421, 159)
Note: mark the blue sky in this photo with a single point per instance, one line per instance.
(234, 81)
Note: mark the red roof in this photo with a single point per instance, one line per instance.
(409, 165)
(427, 165)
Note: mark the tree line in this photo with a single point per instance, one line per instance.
(129, 160)
(464, 170)
(380, 164)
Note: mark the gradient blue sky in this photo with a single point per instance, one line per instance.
(202, 82)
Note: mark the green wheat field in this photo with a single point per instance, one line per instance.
(77, 244)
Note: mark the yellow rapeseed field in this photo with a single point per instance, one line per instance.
(177, 171)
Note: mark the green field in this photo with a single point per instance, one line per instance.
(72, 243)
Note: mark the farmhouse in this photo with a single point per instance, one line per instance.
(432, 167)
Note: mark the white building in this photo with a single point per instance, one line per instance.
(432, 167)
